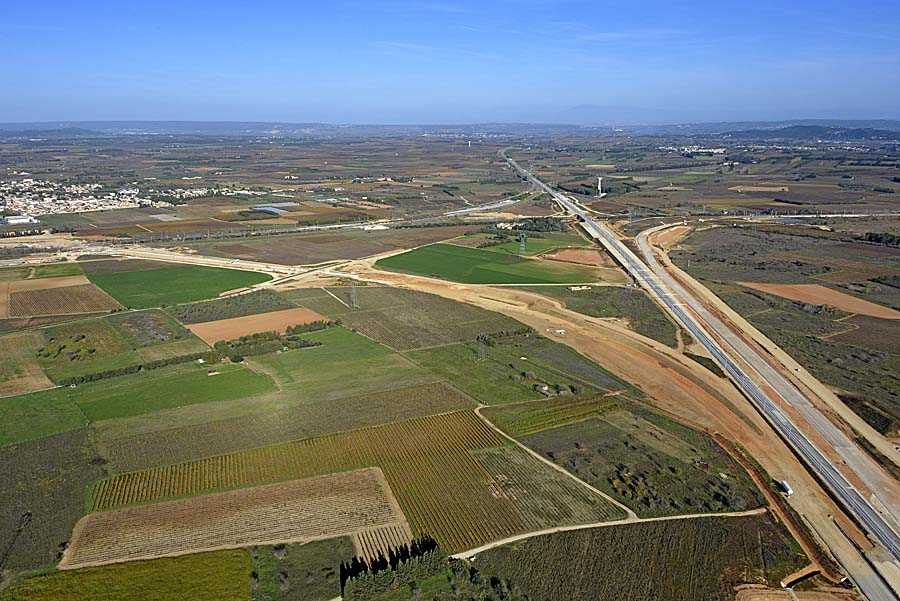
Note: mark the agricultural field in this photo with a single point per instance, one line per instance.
(536, 243)
(442, 488)
(820, 295)
(315, 508)
(630, 305)
(522, 419)
(481, 266)
(650, 463)
(219, 576)
(42, 485)
(679, 560)
(29, 416)
(827, 332)
(56, 270)
(241, 305)
(857, 355)
(318, 248)
(406, 320)
(82, 347)
(19, 371)
(129, 449)
(144, 288)
(69, 300)
(516, 368)
(98, 266)
(346, 364)
(168, 387)
(300, 572)
(235, 327)
(148, 328)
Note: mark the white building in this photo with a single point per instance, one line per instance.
(19, 219)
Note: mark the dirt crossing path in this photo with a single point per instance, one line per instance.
(630, 520)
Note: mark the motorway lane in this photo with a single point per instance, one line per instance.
(843, 490)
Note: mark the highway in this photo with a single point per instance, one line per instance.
(673, 298)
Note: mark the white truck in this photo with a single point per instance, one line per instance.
(788, 491)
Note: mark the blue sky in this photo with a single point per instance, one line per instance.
(447, 61)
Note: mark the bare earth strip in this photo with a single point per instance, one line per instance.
(338, 504)
(70, 300)
(581, 256)
(820, 295)
(48, 283)
(229, 329)
(4, 300)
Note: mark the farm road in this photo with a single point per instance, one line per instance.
(629, 520)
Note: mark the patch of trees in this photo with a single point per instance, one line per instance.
(407, 567)
(421, 559)
(239, 305)
(131, 369)
(264, 343)
(20, 233)
(20, 251)
(887, 238)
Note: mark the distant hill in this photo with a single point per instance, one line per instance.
(815, 132)
(29, 131)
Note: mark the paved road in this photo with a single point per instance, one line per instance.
(673, 298)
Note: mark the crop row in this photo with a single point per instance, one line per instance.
(313, 508)
(442, 489)
(522, 420)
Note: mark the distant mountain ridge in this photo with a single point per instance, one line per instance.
(811, 129)
(815, 132)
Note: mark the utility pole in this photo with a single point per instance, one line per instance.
(354, 302)
(522, 245)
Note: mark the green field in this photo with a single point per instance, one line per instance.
(38, 414)
(487, 381)
(536, 246)
(219, 576)
(484, 266)
(307, 572)
(681, 560)
(56, 270)
(83, 347)
(521, 419)
(345, 364)
(630, 304)
(184, 284)
(516, 368)
(650, 463)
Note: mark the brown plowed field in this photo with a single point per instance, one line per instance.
(820, 295)
(70, 300)
(229, 329)
(581, 256)
(295, 511)
(48, 283)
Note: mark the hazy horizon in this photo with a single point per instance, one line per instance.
(446, 62)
